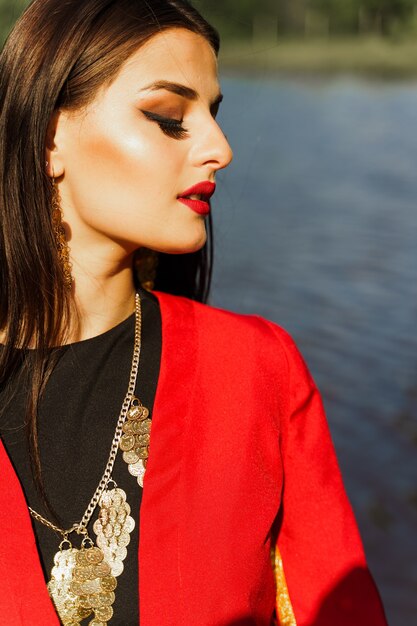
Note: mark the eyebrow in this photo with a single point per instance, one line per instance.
(179, 90)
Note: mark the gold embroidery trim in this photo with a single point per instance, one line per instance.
(285, 613)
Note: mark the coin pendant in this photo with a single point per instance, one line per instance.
(84, 602)
(113, 529)
(142, 452)
(106, 598)
(137, 469)
(102, 569)
(59, 587)
(142, 440)
(123, 539)
(128, 427)
(81, 558)
(119, 497)
(81, 574)
(129, 525)
(134, 413)
(139, 428)
(130, 457)
(142, 428)
(108, 531)
(86, 588)
(127, 442)
(105, 613)
(118, 567)
(145, 413)
(108, 583)
(83, 613)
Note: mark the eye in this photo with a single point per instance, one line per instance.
(215, 109)
(169, 126)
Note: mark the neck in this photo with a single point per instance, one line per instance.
(104, 296)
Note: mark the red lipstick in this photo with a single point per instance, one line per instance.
(200, 205)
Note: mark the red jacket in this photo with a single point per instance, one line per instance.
(239, 441)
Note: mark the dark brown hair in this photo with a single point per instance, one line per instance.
(58, 56)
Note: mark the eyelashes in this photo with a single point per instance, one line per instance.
(170, 127)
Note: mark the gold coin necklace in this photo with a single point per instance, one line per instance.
(83, 580)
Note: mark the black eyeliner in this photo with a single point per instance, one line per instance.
(171, 127)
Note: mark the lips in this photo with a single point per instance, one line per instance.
(198, 197)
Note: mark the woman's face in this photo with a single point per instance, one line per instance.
(123, 162)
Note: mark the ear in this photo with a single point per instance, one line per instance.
(53, 150)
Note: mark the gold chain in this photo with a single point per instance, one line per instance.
(81, 527)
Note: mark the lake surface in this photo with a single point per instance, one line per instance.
(316, 224)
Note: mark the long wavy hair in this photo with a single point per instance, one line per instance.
(59, 55)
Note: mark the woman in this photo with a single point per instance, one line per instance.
(109, 150)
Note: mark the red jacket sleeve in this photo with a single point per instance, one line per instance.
(323, 560)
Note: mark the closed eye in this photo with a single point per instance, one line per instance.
(215, 109)
(169, 126)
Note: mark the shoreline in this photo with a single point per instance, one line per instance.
(369, 57)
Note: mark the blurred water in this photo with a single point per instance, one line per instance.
(316, 227)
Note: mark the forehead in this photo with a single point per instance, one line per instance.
(176, 55)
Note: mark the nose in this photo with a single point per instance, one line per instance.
(212, 147)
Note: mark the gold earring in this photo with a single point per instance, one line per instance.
(146, 264)
(60, 238)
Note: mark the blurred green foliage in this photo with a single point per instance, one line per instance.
(239, 18)
(244, 19)
(9, 12)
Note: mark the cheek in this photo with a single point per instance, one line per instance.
(119, 168)
(122, 183)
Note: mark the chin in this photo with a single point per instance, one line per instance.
(185, 245)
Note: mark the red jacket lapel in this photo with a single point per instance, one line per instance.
(162, 504)
(212, 487)
(25, 600)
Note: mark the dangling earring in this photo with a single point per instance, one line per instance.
(60, 238)
(146, 264)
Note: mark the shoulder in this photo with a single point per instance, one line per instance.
(215, 319)
(241, 335)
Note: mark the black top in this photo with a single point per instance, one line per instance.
(77, 419)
